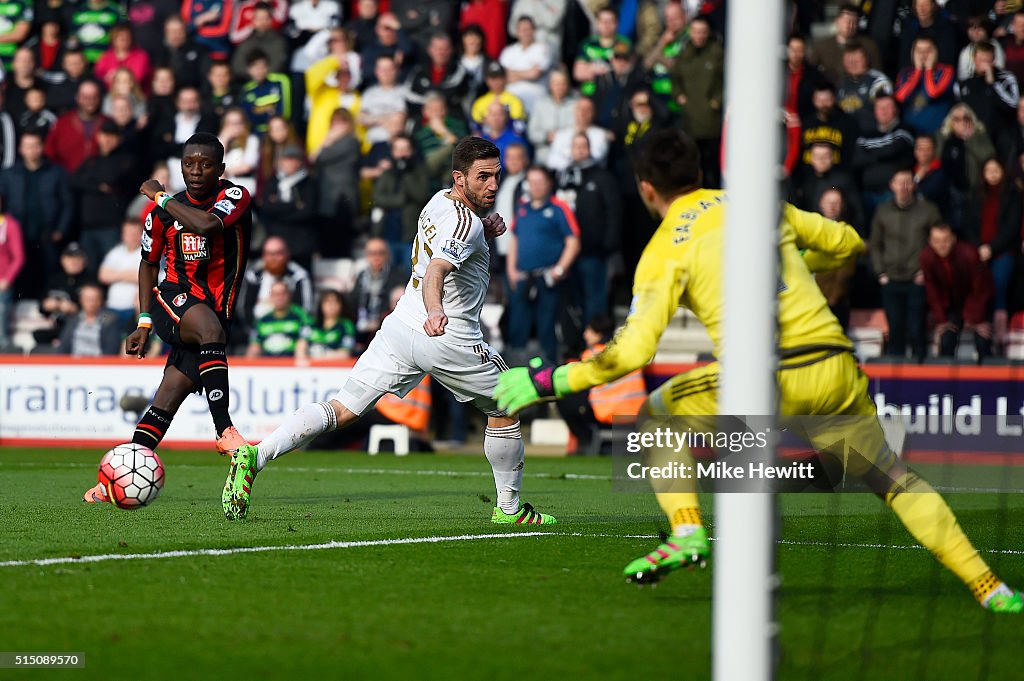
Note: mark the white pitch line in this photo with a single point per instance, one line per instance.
(264, 549)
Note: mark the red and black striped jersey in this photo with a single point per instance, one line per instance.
(208, 267)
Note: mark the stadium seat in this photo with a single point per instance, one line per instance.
(27, 318)
(399, 435)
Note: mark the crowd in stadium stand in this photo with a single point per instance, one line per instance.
(340, 117)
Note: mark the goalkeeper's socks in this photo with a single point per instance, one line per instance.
(151, 427)
(504, 450)
(213, 372)
(987, 586)
(685, 521)
(298, 430)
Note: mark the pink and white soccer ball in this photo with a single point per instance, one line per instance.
(133, 475)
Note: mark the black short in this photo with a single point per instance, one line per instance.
(167, 310)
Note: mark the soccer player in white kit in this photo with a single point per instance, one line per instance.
(434, 329)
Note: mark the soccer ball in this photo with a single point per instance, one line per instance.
(133, 475)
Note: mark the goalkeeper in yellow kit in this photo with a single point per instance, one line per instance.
(817, 373)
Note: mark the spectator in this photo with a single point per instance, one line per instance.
(73, 137)
(336, 170)
(926, 17)
(593, 195)
(92, 332)
(37, 194)
(264, 39)
(210, 23)
(380, 100)
(560, 155)
(498, 129)
(511, 192)
(436, 137)
(12, 259)
(801, 79)
(62, 86)
(266, 94)
(15, 31)
(887, 148)
(289, 205)
(473, 62)
(925, 89)
(168, 135)
(545, 243)
(992, 93)
(959, 291)
(104, 183)
(496, 79)
(91, 24)
(49, 50)
(547, 17)
(595, 52)
(421, 19)
(822, 175)
(278, 333)
(586, 411)
(373, 286)
(400, 193)
(161, 108)
(829, 125)
(1013, 48)
(389, 41)
(19, 80)
(61, 298)
(148, 19)
(241, 149)
(999, 234)
(697, 83)
(979, 31)
(329, 86)
(835, 284)
(442, 74)
(188, 59)
(860, 87)
(660, 59)
(898, 233)
(827, 53)
(964, 146)
(331, 335)
(308, 17)
(363, 25)
(614, 88)
(930, 179)
(336, 41)
(120, 272)
(551, 113)
(490, 16)
(122, 54)
(123, 84)
(526, 62)
(36, 118)
(280, 132)
(218, 91)
(275, 265)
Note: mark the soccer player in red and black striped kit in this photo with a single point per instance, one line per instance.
(203, 233)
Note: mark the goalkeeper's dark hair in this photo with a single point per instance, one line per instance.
(470, 150)
(669, 160)
(207, 141)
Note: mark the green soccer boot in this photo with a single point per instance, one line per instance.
(238, 486)
(525, 516)
(672, 554)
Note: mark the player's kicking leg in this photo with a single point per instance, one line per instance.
(149, 432)
(503, 446)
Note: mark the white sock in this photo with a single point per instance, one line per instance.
(1001, 590)
(504, 450)
(684, 530)
(298, 430)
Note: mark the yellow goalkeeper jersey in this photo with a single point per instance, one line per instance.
(683, 265)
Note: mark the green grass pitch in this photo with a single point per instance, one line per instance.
(537, 607)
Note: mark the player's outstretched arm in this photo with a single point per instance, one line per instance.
(137, 342)
(192, 219)
(828, 244)
(433, 291)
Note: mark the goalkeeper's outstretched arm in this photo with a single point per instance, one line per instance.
(827, 244)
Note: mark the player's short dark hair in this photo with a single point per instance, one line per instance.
(603, 325)
(470, 150)
(207, 141)
(669, 160)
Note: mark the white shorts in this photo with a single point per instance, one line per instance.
(398, 357)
